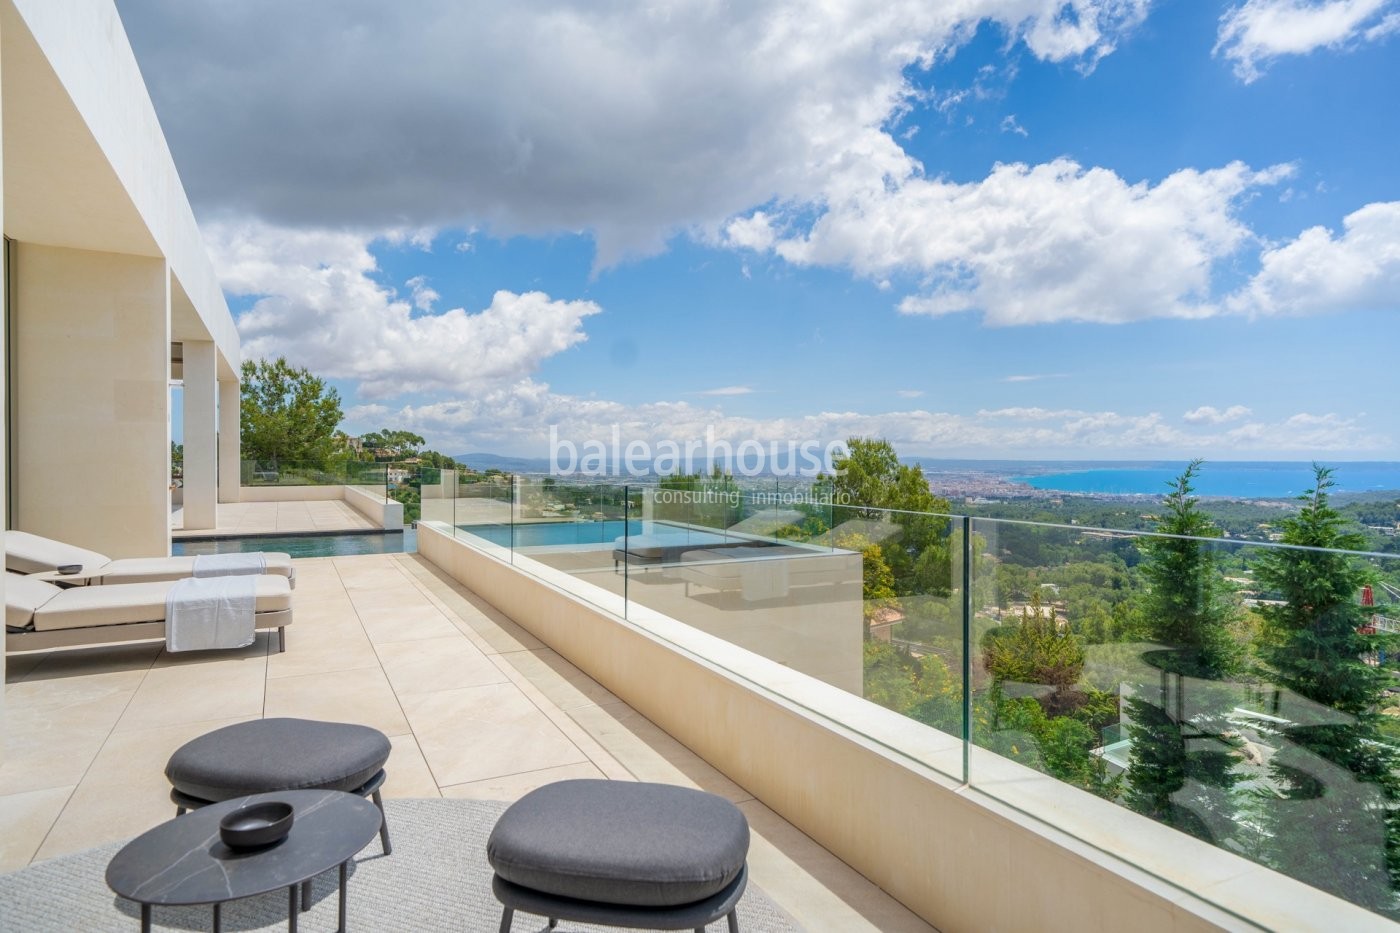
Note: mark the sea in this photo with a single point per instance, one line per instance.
(1233, 480)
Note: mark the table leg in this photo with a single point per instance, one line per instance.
(145, 918)
(218, 918)
(344, 879)
(292, 909)
(306, 895)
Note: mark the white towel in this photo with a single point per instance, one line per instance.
(210, 613)
(229, 565)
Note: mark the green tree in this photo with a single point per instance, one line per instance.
(871, 484)
(406, 443)
(1191, 609)
(1189, 605)
(288, 414)
(1033, 650)
(1337, 825)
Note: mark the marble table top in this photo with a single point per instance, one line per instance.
(184, 861)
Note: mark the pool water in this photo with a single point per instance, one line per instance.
(580, 534)
(306, 545)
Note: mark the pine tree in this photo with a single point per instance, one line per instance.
(1337, 826)
(1189, 608)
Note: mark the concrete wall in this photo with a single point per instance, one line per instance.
(1016, 851)
(83, 45)
(4, 439)
(90, 439)
(201, 435)
(290, 493)
(230, 441)
(387, 514)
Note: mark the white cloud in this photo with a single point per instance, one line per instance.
(1009, 124)
(1319, 272)
(754, 232)
(424, 296)
(631, 121)
(516, 420)
(728, 390)
(1259, 31)
(1208, 414)
(1035, 377)
(910, 393)
(1043, 243)
(319, 306)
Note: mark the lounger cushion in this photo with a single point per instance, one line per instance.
(23, 596)
(88, 606)
(29, 553)
(158, 569)
(277, 754)
(619, 842)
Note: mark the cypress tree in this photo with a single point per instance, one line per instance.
(1336, 825)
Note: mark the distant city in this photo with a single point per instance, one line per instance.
(987, 481)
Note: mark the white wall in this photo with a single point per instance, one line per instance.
(200, 424)
(230, 441)
(1018, 851)
(90, 435)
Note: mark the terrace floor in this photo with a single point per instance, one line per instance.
(475, 706)
(267, 518)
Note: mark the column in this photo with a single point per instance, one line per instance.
(230, 441)
(90, 430)
(201, 424)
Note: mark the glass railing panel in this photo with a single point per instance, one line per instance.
(481, 510)
(850, 605)
(576, 529)
(1240, 693)
(437, 496)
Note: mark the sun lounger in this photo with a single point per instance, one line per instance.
(40, 615)
(30, 553)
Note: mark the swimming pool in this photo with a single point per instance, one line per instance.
(583, 534)
(330, 545)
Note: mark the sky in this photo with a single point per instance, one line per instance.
(1029, 229)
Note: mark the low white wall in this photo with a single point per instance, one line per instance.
(290, 493)
(957, 856)
(388, 514)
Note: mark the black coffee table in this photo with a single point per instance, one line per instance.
(183, 862)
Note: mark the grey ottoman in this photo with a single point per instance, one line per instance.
(267, 755)
(621, 854)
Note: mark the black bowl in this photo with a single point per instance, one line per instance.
(261, 824)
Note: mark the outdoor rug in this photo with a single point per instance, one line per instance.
(437, 879)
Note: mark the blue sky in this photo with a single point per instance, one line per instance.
(1107, 229)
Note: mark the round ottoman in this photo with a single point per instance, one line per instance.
(621, 854)
(267, 755)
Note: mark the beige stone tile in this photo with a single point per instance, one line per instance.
(483, 732)
(649, 754)
(819, 890)
(562, 684)
(55, 728)
(192, 688)
(408, 773)
(105, 659)
(512, 787)
(25, 819)
(125, 791)
(416, 624)
(321, 650)
(359, 696)
(437, 664)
